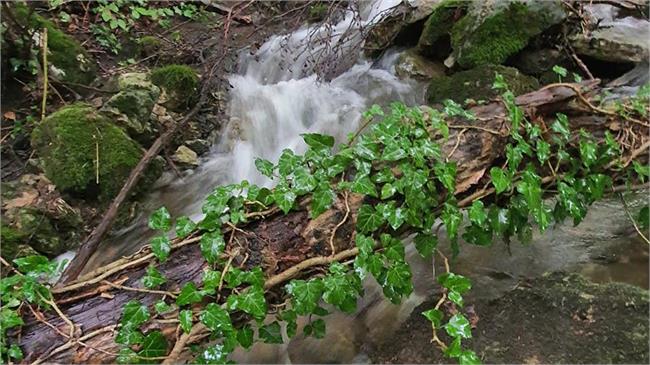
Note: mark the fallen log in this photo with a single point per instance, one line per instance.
(292, 245)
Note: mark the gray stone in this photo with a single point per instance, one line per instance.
(185, 157)
(200, 146)
(413, 65)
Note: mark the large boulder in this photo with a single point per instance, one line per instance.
(131, 107)
(84, 152)
(494, 30)
(615, 38)
(67, 59)
(435, 37)
(477, 84)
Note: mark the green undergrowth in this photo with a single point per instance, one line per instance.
(180, 81)
(409, 184)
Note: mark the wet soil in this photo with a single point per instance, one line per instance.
(558, 318)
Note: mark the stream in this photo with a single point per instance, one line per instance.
(272, 103)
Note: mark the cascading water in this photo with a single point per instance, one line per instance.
(272, 102)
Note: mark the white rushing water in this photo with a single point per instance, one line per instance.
(270, 105)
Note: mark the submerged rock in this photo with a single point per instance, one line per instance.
(494, 30)
(410, 64)
(68, 60)
(83, 152)
(131, 107)
(477, 83)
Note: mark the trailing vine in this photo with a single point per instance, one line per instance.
(408, 185)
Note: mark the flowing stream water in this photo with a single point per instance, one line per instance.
(273, 101)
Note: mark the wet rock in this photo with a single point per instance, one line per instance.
(615, 39)
(85, 153)
(558, 318)
(36, 215)
(68, 60)
(413, 65)
(435, 35)
(200, 146)
(477, 83)
(540, 62)
(492, 31)
(421, 9)
(131, 107)
(185, 157)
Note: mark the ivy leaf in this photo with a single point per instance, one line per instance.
(458, 326)
(477, 213)
(387, 191)
(393, 152)
(543, 151)
(212, 245)
(366, 149)
(215, 354)
(425, 244)
(341, 289)
(588, 152)
(211, 280)
(184, 226)
(451, 217)
(271, 333)
(153, 278)
(284, 197)
(127, 356)
(160, 219)
(455, 298)
(322, 199)
(434, 316)
(315, 328)
(252, 301)
(395, 217)
(468, 357)
(305, 295)
(188, 295)
(265, 167)
(560, 71)
(216, 319)
(364, 185)
(245, 337)
(454, 350)
(15, 352)
(303, 181)
(288, 162)
(161, 247)
(561, 127)
(129, 335)
(185, 318)
(318, 141)
(162, 307)
(134, 314)
(153, 345)
(446, 173)
(455, 282)
(368, 219)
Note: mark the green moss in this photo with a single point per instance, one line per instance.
(148, 45)
(499, 36)
(439, 25)
(68, 142)
(65, 53)
(477, 84)
(10, 238)
(180, 82)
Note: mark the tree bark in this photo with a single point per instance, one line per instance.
(286, 246)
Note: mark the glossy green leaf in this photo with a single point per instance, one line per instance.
(153, 278)
(455, 282)
(161, 307)
(315, 328)
(271, 333)
(153, 346)
(458, 326)
(305, 295)
(477, 213)
(368, 219)
(189, 294)
(364, 185)
(185, 318)
(284, 197)
(160, 219)
(134, 314)
(245, 337)
(426, 243)
(251, 301)
(434, 316)
(216, 319)
(160, 246)
(184, 226)
(322, 199)
(265, 167)
(318, 141)
(212, 246)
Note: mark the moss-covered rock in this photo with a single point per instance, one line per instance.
(493, 31)
(436, 30)
(180, 83)
(148, 45)
(477, 84)
(68, 60)
(84, 152)
(131, 107)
